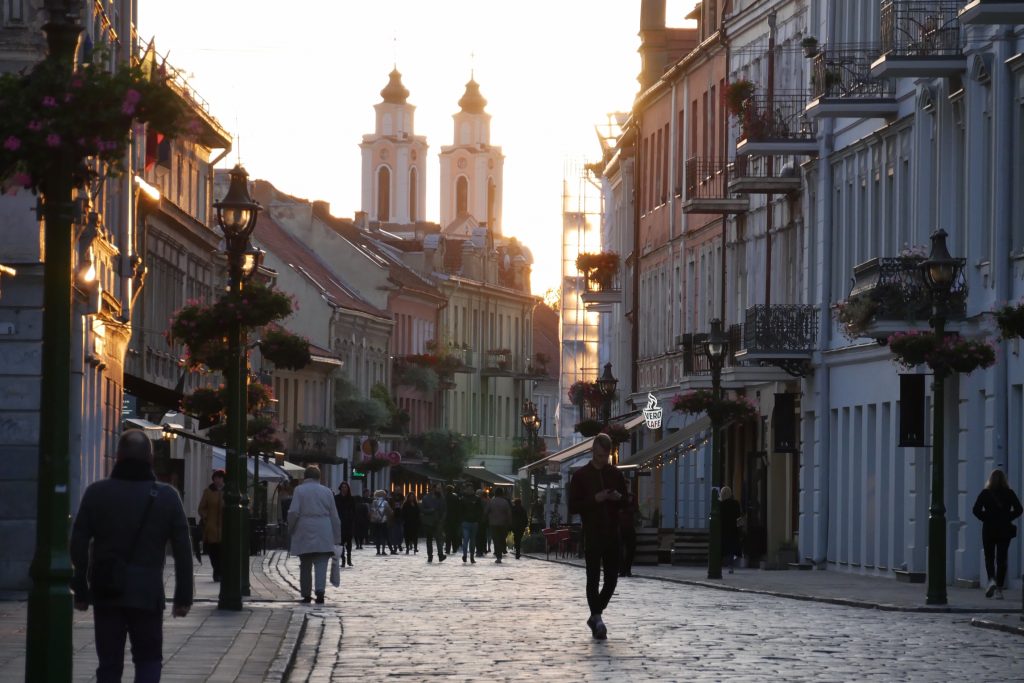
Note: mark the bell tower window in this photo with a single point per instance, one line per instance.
(413, 194)
(461, 196)
(384, 194)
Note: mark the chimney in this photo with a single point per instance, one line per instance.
(322, 208)
(652, 42)
(360, 220)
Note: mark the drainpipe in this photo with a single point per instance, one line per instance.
(823, 403)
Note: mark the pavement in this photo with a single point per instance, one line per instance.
(400, 616)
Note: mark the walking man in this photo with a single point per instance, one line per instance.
(499, 520)
(452, 521)
(596, 492)
(432, 517)
(128, 520)
(211, 519)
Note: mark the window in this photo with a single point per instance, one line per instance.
(384, 194)
(413, 195)
(491, 195)
(14, 13)
(461, 196)
(659, 178)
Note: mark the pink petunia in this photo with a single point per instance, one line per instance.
(132, 96)
(52, 140)
(49, 102)
(128, 109)
(35, 126)
(12, 143)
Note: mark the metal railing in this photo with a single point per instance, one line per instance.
(707, 178)
(897, 286)
(781, 327)
(844, 71)
(313, 442)
(602, 281)
(921, 28)
(781, 118)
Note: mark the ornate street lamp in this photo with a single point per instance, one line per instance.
(606, 384)
(941, 272)
(531, 423)
(715, 348)
(236, 216)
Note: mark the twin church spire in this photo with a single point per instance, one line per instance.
(394, 164)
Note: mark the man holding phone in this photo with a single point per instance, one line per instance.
(596, 492)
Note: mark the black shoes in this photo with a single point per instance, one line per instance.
(306, 600)
(463, 559)
(319, 598)
(472, 560)
(597, 627)
(441, 558)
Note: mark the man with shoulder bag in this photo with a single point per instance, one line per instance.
(128, 520)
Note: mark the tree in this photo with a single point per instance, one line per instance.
(445, 450)
(553, 299)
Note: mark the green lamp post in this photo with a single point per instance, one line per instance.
(941, 271)
(236, 215)
(48, 638)
(715, 347)
(531, 423)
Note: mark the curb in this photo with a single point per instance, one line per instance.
(844, 602)
(998, 626)
(285, 659)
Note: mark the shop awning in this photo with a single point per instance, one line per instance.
(155, 432)
(269, 471)
(681, 436)
(631, 422)
(486, 476)
(418, 470)
(153, 393)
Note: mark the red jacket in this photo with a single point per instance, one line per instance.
(586, 483)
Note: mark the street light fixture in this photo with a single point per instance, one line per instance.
(606, 384)
(941, 272)
(715, 348)
(236, 216)
(532, 425)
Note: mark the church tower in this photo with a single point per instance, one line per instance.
(394, 160)
(471, 170)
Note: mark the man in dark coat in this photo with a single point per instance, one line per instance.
(452, 521)
(596, 492)
(129, 518)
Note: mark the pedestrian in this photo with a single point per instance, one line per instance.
(997, 506)
(286, 499)
(499, 521)
(395, 532)
(346, 504)
(361, 530)
(411, 523)
(380, 515)
(519, 523)
(627, 530)
(118, 551)
(314, 529)
(471, 511)
(536, 516)
(596, 491)
(211, 519)
(433, 511)
(483, 530)
(730, 516)
(452, 520)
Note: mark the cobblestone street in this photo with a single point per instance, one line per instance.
(399, 616)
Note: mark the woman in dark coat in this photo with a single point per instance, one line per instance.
(411, 523)
(997, 506)
(361, 529)
(346, 505)
(730, 513)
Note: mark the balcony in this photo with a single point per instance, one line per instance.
(499, 363)
(783, 335)
(890, 295)
(993, 12)
(465, 359)
(842, 84)
(313, 444)
(751, 176)
(776, 126)
(603, 285)
(920, 39)
(707, 188)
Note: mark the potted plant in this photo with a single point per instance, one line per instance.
(588, 428)
(1010, 319)
(720, 409)
(855, 314)
(599, 268)
(737, 94)
(810, 46)
(285, 350)
(950, 354)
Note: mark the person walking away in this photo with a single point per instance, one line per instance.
(596, 491)
(361, 530)
(395, 531)
(118, 551)
(536, 516)
(211, 519)
(731, 513)
(627, 531)
(411, 523)
(483, 530)
(519, 523)
(452, 521)
(314, 528)
(471, 512)
(499, 519)
(380, 514)
(346, 504)
(997, 506)
(433, 511)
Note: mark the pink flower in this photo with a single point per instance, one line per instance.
(12, 143)
(49, 102)
(68, 97)
(128, 109)
(35, 126)
(76, 83)
(132, 96)
(52, 140)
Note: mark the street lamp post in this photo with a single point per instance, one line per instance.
(715, 347)
(236, 216)
(532, 425)
(48, 646)
(940, 271)
(606, 384)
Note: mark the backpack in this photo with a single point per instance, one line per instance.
(380, 511)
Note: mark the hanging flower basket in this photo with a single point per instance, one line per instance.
(586, 393)
(722, 410)
(588, 428)
(204, 403)
(737, 94)
(855, 314)
(256, 306)
(1011, 321)
(52, 119)
(951, 354)
(285, 350)
(617, 432)
(600, 268)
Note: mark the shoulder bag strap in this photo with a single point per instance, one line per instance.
(145, 515)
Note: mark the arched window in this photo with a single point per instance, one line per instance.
(461, 196)
(413, 195)
(491, 191)
(384, 194)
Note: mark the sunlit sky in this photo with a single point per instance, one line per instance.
(296, 83)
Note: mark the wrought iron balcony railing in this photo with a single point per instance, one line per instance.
(781, 329)
(313, 443)
(921, 28)
(695, 361)
(750, 175)
(981, 12)
(896, 290)
(707, 188)
(780, 119)
(844, 71)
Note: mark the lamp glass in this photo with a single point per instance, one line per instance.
(715, 349)
(234, 219)
(606, 383)
(941, 274)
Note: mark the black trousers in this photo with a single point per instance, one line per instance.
(628, 549)
(996, 551)
(213, 552)
(498, 536)
(517, 540)
(145, 629)
(452, 538)
(601, 551)
(432, 535)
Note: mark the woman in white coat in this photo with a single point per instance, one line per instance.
(315, 529)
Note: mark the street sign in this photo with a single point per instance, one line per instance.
(356, 474)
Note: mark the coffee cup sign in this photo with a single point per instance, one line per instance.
(652, 413)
